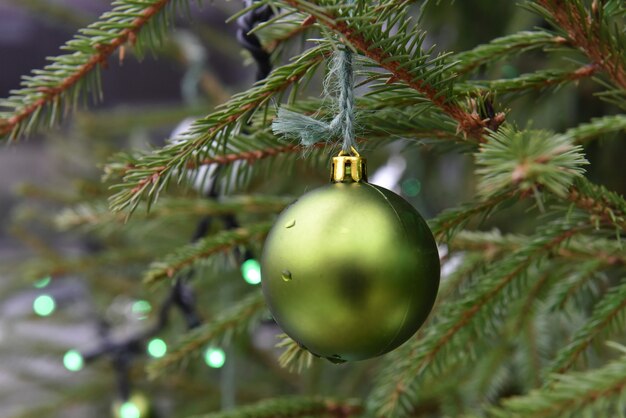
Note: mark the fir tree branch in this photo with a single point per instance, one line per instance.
(217, 332)
(457, 323)
(594, 393)
(492, 244)
(152, 172)
(597, 127)
(244, 152)
(607, 318)
(405, 63)
(294, 356)
(47, 89)
(526, 160)
(578, 283)
(585, 30)
(294, 407)
(501, 47)
(282, 38)
(604, 206)
(201, 249)
(538, 80)
(99, 215)
(450, 221)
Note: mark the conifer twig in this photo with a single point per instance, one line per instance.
(239, 317)
(294, 407)
(469, 123)
(192, 253)
(597, 393)
(150, 173)
(397, 391)
(584, 31)
(501, 47)
(605, 207)
(607, 316)
(40, 91)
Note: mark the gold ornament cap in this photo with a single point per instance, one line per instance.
(348, 167)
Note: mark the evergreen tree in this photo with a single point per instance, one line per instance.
(532, 299)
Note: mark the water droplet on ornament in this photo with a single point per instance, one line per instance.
(290, 223)
(286, 275)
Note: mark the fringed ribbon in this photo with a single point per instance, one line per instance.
(339, 85)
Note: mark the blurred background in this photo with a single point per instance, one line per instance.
(199, 66)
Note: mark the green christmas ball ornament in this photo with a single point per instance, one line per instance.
(351, 270)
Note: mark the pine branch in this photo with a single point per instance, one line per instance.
(54, 89)
(195, 252)
(579, 283)
(492, 244)
(450, 221)
(218, 332)
(294, 26)
(526, 160)
(294, 356)
(152, 172)
(502, 47)
(399, 52)
(459, 323)
(594, 393)
(539, 80)
(294, 407)
(586, 29)
(243, 154)
(98, 214)
(463, 275)
(596, 128)
(607, 319)
(604, 206)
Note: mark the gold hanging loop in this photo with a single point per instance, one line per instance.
(348, 167)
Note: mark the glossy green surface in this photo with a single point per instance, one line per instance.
(350, 271)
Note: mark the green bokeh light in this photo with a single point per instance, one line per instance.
(157, 348)
(41, 283)
(73, 361)
(215, 357)
(411, 187)
(129, 410)
(509, 71)
(44, 305)
(141, 308)
(251, 271)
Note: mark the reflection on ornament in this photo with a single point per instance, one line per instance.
(214, 357)
(351, 270)
(73, 361)
(44, 305)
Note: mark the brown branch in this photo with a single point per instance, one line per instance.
(469, 123)
(100, 58)
(584, 32)
(250, 156)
